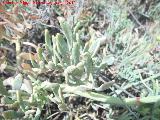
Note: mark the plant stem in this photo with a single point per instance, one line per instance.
(18, 50)
(109, 99)
(18, 96)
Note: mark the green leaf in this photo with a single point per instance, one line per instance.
(145, 109)
(57, 57)
(48, 41)
(17, 82)
(78, 25)
(94, 47)
(62, 107)
(54, 57)
(56, 91)
(50, 65)
(11, 114)
(86, 47)
(104, 86)
(88, 63)
(62, 49)
(75, 53)
(109, 60)
(38, 113)
(70, 69)
(80, 68)
(94, 84)
(3, 91)
(78, 40)
(67, 32)
(40, 56)
(41, 64)
(29, 87)
(34, 64)
(156, 111)
(6, 100)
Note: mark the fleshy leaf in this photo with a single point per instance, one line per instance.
(95, 45)
(75, 53)
(48, 41)
(109, 60)
(17, 82)
(62, 48)
(28, 86)
(67, 32)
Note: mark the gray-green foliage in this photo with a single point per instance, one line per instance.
(67, 53)
(128, 48)
(77, 62)
(76, 59)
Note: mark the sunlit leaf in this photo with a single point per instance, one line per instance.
(67, 31)
(48, 41)
(17, 82)
(28, 86)
(75, 53)
(94, 47)
(109, 60)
